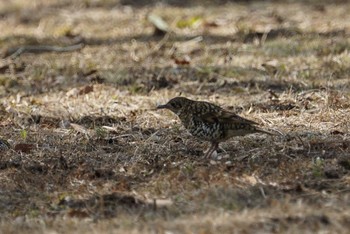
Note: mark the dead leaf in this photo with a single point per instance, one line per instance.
(25, 148)
(336, 132)
(122, 169)
(110, 129)
(4, 68)
(90, 72)
(159, 203)
(211, 24)
(81, 129)
(214, 23)
(78, 213)
(186, 60)
(192, 22)
(73, 92)
(271, 67)
(85, 90)
(160, 26)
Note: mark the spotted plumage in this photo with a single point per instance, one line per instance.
(4, 145)
(210, 122)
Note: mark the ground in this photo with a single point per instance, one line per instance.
(85, 151)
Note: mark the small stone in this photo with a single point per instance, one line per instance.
(212, 162)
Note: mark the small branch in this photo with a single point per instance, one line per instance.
(17, 51)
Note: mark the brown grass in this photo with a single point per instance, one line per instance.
(90, 154)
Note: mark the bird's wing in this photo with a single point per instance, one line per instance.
(214, 114)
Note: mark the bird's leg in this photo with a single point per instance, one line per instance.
(222, 150)
(213, 147)
(208, 151)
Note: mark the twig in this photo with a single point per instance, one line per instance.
(273, 94)
(15, 52)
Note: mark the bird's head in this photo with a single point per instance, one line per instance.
(176, 105)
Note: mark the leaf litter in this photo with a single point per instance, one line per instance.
(80, 138)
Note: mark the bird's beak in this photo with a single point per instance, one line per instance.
(162, 107)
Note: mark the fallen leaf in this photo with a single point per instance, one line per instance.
(214, 23)
(336, 132)
(78, 213)
(186, 60)
(85, 90)
(270, 67)
(81, 129)
(90, 72)
(160, 26)
(159, 203)
(4, 68)
(25, 148)
(211, 24)
(192, 22)
(73, 92)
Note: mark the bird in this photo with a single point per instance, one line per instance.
(210, 122)
(4, 145)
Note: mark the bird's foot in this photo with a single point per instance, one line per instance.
(222, 150)
(211, 153)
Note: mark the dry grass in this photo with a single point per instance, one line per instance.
(89, 154)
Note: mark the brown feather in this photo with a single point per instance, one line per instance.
(214, 114)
